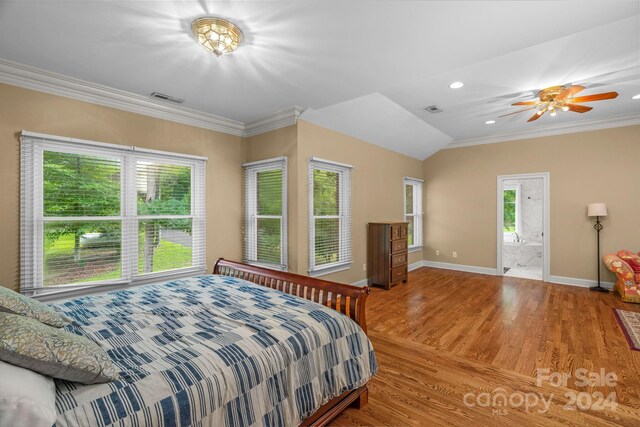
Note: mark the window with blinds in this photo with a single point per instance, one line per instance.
(329, 216)
(413, 211)
(94, 214)
(265, 213)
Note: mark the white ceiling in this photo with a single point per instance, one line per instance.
(365, 68)
(380, 121)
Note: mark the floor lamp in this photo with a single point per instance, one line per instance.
(598, 210)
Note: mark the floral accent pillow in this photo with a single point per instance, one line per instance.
(27, 343)
(632, 259)
(15, 303)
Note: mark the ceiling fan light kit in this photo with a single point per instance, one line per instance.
(562, 98)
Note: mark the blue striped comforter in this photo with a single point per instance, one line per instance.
(212, 351)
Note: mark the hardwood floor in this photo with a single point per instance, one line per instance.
(447, 337)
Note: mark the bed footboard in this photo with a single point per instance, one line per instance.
(346, 299)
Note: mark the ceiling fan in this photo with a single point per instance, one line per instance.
(563, 98)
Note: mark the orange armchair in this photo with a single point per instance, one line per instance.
(628, 282)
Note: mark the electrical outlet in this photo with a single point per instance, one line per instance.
(364, 267)
(455, 254)
(437, 252)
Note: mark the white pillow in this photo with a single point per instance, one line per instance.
(26, 398)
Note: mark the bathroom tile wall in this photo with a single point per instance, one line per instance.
(530, 208)
(528, 253)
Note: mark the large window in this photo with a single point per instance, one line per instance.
(96, 213)
(413, 211)
(511, 222)
(329, 216)
(265, 213)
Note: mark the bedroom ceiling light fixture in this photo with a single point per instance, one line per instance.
(456, 85)
(636, 96)
(216, 35)
(489, 122)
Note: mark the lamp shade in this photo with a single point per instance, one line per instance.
(597, 209)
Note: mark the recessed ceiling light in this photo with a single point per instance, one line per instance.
(636, 96)
(456, 85)
(489, 122)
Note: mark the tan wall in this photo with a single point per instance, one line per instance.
(376, 185)
(598, 166)
(376, 189)
(39, 112)
(280, 142)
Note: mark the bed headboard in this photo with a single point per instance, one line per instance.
(347, 299)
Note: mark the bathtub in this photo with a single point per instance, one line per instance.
(522, 254)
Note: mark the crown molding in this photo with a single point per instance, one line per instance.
(283, 118)
(28, 77)
(560, 129)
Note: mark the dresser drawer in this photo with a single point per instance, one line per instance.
(398, 260)
(398, 274)
(399, 231)
(395, 232)
(398, 246)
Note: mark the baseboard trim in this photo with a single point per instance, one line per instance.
(558, 280)
(416, 265)
(360, 283)
(460, 267)
(411, 267)
(582, 283)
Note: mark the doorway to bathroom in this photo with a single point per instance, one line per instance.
(523, 226)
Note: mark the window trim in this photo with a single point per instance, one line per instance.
(345, 254)
(253, 168)
(417, 185)
(32, 219)
(508, 235)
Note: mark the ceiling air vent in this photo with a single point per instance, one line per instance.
(168, 98)
(433, 109)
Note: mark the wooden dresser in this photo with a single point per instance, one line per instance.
(387, 253)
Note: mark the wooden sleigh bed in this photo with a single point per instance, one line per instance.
(346, 299)
(242, 346)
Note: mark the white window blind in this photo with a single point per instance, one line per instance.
(265, 213)
(98, 214)
(329, 216)
(413, 210)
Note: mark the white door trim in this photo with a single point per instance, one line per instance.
(546, 208)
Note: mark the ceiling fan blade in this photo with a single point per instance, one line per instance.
(536, 116)
(525, 103)
(596, 97)
(516, 112)
(570, 91)
(579, 108)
